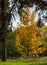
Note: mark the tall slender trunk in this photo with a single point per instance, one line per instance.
(3, 30)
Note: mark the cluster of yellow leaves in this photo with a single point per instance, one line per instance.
(29, 38)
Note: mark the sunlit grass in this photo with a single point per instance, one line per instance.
(23, 63)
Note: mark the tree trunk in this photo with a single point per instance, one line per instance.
(3, 28)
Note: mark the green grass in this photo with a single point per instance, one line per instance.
(23, 63)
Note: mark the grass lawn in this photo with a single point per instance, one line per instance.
(23, 63)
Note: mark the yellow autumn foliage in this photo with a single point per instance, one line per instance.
(28, 41)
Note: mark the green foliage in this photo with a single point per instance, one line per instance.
(10, 43)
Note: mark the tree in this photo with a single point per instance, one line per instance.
(5, 16)
(3, 34)
(28, 42)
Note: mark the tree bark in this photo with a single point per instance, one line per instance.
(3, 28)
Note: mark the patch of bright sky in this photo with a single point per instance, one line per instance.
(16, 23)
(33, 10)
